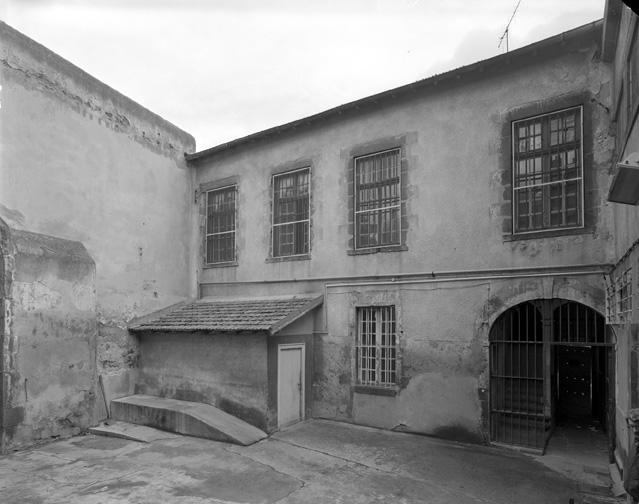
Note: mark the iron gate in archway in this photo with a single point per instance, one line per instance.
(522, 365)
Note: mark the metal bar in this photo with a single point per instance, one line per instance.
(291, 222)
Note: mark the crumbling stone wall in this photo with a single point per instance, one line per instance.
(49, 339)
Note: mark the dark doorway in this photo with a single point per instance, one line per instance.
(550, 365)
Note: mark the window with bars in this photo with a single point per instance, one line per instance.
(624, 295)
(376, 346)
(548, 171)
(378, 199)
(611, 303)
(291, 213)
(220, 225)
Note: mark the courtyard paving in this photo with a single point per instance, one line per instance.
(313, 462)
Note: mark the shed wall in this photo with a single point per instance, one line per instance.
(226, 370)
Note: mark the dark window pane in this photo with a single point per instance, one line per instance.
(291, 213)
(220, 225)
(377, 199)
(376, 346)
(547, 171)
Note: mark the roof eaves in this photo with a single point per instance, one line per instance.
(496, 62)
(136, 323)
(296, 315)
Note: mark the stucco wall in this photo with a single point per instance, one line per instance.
(456, 149)
(456, 142)
(226, 370)
(81, 161)
(443, 340)
(51, 343)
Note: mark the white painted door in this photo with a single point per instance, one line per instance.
(290, 384)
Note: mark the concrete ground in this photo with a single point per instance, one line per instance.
(313, 462)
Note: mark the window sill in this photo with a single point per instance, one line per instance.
(230, 264)
(550, 233)
(302, 257)
(375, 250)
(371, 390)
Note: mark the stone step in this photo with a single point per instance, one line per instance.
(130, 431)
(185, 417)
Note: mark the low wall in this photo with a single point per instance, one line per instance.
(50, 351)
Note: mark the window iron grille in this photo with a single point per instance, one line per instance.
(376, 346)
(220, 225)
(291, 213)
(378, 199)
(548, 171)
(624, 295)
(611, 303)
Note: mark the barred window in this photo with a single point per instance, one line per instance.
(378, 199)
(291, 213)
(376, 346)
(548, 171)
(611, 303)
(220, 225)
(624, 295)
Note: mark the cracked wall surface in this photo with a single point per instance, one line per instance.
(80, 161)
(50, 372)
(456, 150)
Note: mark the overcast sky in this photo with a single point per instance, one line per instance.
(222, 69)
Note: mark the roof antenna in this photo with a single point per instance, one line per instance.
(505, 34)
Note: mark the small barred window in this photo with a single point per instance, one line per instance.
(376, 346)
(624, 295)
(378, 200)
(220, 225)
(611, 303)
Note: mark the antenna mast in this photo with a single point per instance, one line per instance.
(505, 34)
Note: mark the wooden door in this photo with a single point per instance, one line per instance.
(290, 384)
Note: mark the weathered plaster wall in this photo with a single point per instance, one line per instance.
(456, 141)
(81, 161)
(52, 340)
(226, 370)
(443, 330)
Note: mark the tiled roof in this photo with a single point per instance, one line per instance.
(228, 315)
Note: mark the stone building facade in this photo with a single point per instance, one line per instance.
(409, 227)
(458, 233)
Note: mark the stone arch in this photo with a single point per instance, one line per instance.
(532, 347)
(582, 293)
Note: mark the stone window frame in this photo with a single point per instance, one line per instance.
(372, 148)
(541, 107)
(202, 194)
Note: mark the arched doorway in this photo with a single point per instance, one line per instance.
(551, 360)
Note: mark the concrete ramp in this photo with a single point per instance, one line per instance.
(185, 417)
(132, 432)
